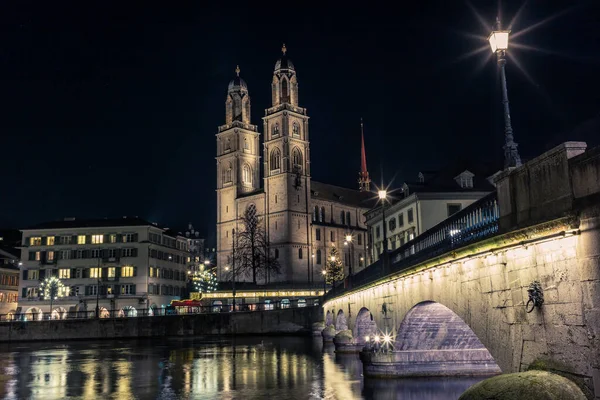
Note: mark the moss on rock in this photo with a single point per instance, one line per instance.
(530, 385)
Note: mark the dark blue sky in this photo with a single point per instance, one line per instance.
(111, 110)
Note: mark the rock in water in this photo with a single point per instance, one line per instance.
(530, 385)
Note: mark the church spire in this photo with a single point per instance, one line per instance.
(364, 182)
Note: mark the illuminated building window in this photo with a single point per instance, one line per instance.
(95, 272)
(97, 239)
(112, 238)
(50, 240)
(127, 289)
(111, 272)
(38, 256)
(35, 241)
(50, 256)
(64, 273)
(81, 239)
(33, 274)
(127, 272)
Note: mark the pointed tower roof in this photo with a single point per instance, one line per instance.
(364, 182)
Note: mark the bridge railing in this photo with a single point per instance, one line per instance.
(134, 313)
(473, 223)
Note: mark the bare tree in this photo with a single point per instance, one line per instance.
(252, 256)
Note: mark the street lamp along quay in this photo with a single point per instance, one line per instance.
(498, 40)
(383, 197)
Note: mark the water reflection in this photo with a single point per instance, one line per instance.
(277, 368)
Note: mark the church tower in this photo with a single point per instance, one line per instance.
(287, 175)
(364, 182)
(238, 168)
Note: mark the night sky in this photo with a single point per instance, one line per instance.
(112, 110)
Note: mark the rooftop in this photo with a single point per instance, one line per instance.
(350, 197)
(93, 223)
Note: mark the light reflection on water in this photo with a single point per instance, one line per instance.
(282, 368)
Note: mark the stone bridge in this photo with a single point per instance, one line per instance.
(457, 305)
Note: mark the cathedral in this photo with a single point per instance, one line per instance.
(303, 219)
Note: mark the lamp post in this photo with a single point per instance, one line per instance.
(324, 272)
(350, 242)
(383, 197)
(498, 40)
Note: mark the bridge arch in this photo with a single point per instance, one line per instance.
(328, 318)
(431, 330)
(341, 323)
(364, 326)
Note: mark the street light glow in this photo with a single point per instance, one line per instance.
(333, 258)
(382, 194)
(498, 40)
(206, 262)
(324, 272)
(349, 238)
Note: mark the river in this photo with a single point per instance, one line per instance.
(244, 368)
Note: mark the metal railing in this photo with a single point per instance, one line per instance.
(473, 223)
(127, 312)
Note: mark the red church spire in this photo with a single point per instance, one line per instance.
(364, 182)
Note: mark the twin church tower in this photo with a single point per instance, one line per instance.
(302, 218)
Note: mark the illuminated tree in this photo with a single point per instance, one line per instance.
(205, 281)
(335, 268)
(52, 288)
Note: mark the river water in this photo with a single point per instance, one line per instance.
(279, 368)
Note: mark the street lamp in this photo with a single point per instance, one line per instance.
(383, 197)
(350, 242)
(498, 40)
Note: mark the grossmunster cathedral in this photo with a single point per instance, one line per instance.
(302, 218)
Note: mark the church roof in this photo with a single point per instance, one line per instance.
(337, 194)
(237, 82)
(284, 63)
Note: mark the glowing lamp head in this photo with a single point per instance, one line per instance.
(206, 262)
(376, 338)
(498, 40)
(387, 338)
(324, 272)
(333, 258)
(382, 194)
(226, 268)
(349, 238)
(366, 338)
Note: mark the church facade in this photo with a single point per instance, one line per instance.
(302, 218)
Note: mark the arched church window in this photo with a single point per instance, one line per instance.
(285, 93)
(275, 160)
(315, 214)
(227, 173)
(297, 160)
(228, 144)
(247, 174)
(276, 253)
(342, 218)
(348, 220)
(300, 253)
(318, 256)
(276, 129)
(295, 129)
(322, 215)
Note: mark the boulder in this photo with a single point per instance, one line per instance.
(530, 385)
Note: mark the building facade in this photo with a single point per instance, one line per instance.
(9, 281)
(124, 265)
(302, 218)
(419, 206)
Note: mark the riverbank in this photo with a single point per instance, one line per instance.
(297, 321)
